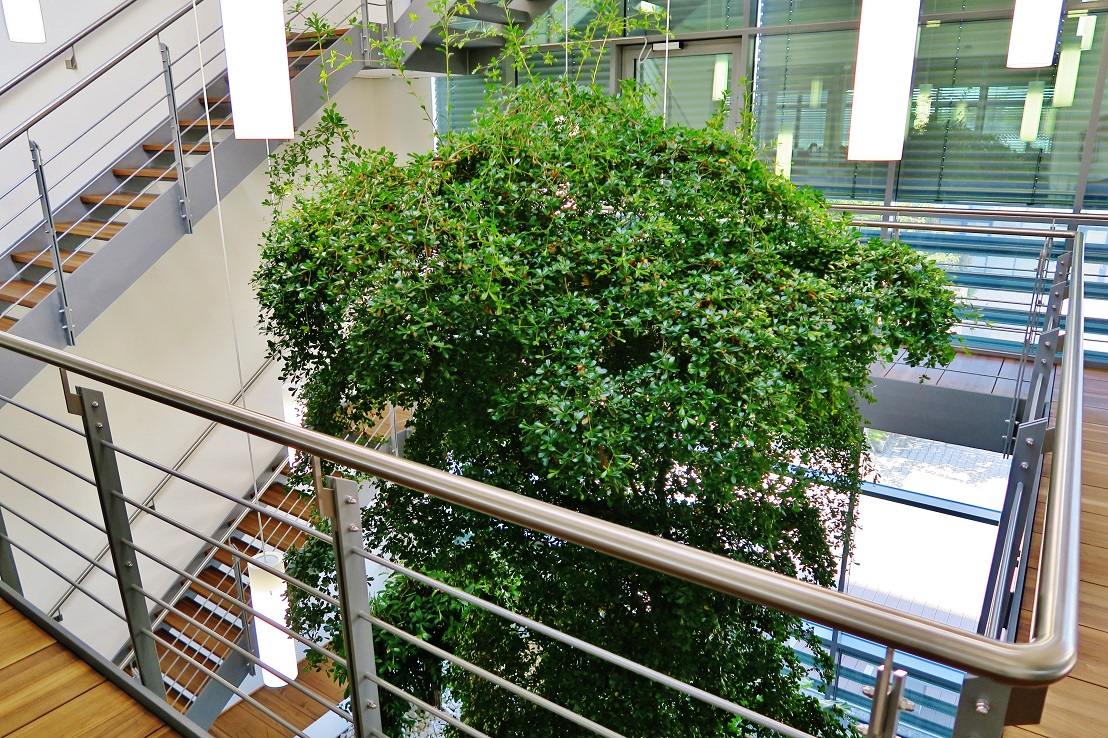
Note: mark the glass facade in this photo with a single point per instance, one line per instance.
(978, 135)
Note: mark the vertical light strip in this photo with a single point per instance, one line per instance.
(1065, 79)
(23, 19)
(1032, 112)
(720, 76)
(783, 164)
(1086, 31)
(924, 105)
(815, 97)
(258, 68)
(1035, 25)
(883, 79)
(267, 594)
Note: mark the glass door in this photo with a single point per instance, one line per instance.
(700, 81)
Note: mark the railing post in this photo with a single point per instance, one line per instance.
(175, 131)
(888, 700)
(982, 707)
(365, 32)
(109, 486)
(8, 573)
(55, 250)
(340, 504)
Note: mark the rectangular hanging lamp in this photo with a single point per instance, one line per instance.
(1065, 78)
(1032, 112)
(883, 79)
(257, 68)
(783, 163)
(268, 594)
(23, 19)
(1035, 25)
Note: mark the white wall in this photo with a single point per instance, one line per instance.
(178, 324)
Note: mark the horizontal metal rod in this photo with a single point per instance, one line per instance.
(233, 687)
(79, 553)
(429, 709)
(63, 577)
(237, 603)
(894, 225)
(499, 681)
(268, 512)
(50, 499)
(9, 401)
(48, 460)
(231, 550)
(250, 657)
(1047, 660)
(585, 647)
(1019, 216)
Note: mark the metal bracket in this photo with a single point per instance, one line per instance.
(72, 399)
(982, 707)
(888, 700)
(71, 62)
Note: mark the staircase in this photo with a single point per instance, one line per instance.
(224, 578)
(421, 21)
(100, 214)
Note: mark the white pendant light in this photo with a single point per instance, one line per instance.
(1032, 112)
(1086, 31)
(883, 79)
(267, 594)
(783, 164)
(721, 73)
(1035, 25)
(257, 68)
(815, 95)
(1065, 78)
(23, 19)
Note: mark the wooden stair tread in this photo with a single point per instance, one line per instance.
(27, 294)
(228, 560)
(210, 620)
(305, 53)
(309, 35)
(70, 260)
(203, 123)
(183, 672)
(147, 172)
(189, 148)
(274, 532)
(90, 229)
(292, 503)
(121, 200)
(6, 324)
(221, 582)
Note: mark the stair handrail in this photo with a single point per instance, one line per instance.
(96, 74)
(64, 47)
(1048, 658)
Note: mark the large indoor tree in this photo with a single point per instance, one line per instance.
(638, 321)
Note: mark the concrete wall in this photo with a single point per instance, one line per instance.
(190, 321)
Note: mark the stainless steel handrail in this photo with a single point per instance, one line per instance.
(64, 47)
(95, 75)
(1026, 216)
(1047, 659)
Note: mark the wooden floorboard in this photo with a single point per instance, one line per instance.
(46, 691)
(1077, 707)
(245, 720)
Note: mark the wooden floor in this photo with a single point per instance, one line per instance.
(972, 372)
(46, 691)
(1077, 707)
(247, 721)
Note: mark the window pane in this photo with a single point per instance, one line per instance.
(979, 132)
(698, 86)
(802, 96)
(784, 12)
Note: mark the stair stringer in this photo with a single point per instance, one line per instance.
(154, 231)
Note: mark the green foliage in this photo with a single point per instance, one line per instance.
(639, 322)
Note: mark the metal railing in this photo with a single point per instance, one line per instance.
(992, 663)
(52, 251)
